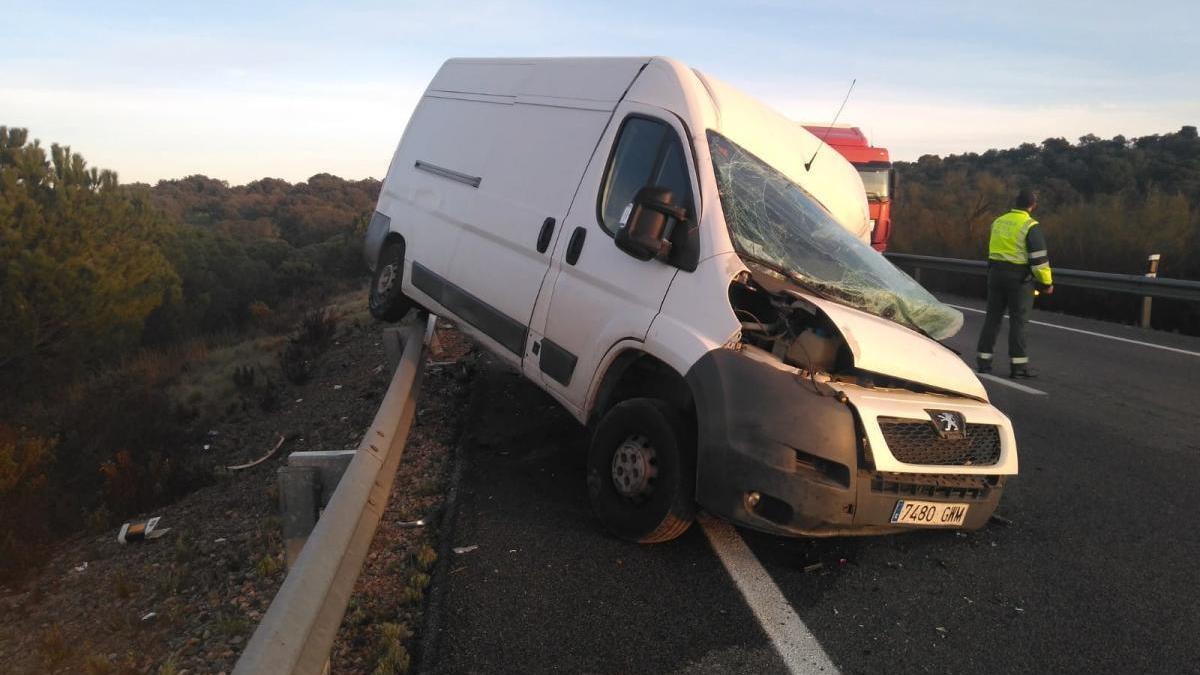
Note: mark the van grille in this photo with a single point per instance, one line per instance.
(945, 486)
(917, 442)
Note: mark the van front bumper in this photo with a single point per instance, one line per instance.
(785, 455)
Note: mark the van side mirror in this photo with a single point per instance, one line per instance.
(653, 217)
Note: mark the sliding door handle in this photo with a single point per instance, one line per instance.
(575, 246)
(545, 235)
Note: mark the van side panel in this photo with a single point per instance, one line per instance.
(425, 206)
(538, 156)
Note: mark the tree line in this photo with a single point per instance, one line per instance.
(91, 269)
(1104, 205)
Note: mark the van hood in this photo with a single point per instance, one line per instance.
(887, 348)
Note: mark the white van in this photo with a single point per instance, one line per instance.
(646, 244)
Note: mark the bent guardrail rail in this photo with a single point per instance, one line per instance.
(1133, 284)
(298, 630)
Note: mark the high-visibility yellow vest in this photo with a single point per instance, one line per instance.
(1009, 243)
(1008, 237)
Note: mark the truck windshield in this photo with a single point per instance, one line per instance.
(876, 182)
(776, 223)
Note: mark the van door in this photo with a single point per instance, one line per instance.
(538, 155)
(602, 295)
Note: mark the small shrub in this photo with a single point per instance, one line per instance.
(53, 646)
(425, 557)
(393, 657)
(419, 581)
(243, 377)
(267, 566)
(296, 363)
(98, 664)
(411, 596)
(318, 328)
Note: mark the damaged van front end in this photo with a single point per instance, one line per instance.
(834, 410)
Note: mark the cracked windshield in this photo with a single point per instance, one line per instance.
(776, 223)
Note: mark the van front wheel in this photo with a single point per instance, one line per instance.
(641, 471)
(386, 301)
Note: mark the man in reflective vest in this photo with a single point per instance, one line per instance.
(1016, 263)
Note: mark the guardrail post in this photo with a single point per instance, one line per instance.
(298, 505)
(1146, 300)
(393, 346)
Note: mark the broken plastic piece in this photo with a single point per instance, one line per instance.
(420, 522)
(465, 549)
(141, 530)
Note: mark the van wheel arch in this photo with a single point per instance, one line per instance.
(386, 299)
(637, 374)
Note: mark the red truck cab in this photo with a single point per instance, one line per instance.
(875, 167)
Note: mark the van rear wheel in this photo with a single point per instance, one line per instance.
(641, 471)
(386, 300)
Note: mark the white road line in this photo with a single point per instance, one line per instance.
(793, 641)
(1009, 383)
(1088, 332)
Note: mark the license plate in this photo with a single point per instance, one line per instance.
(929, 513)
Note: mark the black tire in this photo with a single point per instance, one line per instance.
(386, 300)
(663, 504)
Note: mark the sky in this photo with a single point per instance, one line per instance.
(245, 90)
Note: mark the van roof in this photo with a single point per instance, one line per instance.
(602, 81)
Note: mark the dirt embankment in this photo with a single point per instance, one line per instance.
(189, 601)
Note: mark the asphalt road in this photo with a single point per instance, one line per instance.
(1099, 569)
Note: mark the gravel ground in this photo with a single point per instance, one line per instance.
(188, 601)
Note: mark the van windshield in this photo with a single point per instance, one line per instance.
(776, 223)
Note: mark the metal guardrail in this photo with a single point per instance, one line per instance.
(1133, 284)
(298, 630)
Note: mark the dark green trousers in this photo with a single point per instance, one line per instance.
(1010, 288)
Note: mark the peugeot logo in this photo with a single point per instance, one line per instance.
(949, 424)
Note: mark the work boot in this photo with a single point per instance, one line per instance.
(983, 365)
(1021, 370)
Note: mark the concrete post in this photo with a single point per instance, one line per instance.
(1154, 258)
(298, 486)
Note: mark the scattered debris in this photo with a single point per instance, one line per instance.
(207, 446)
(960, 534)
(894, 565)
(81, 566)
(1019, 609)
(141, 530)
(262, 459)
(150, 616)
(813, 567)
(465, 549)
(996, 517)
(420, 522)
(942, 630)
(336, 387)
(219, 540)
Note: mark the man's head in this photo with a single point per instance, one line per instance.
(1026, 199)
